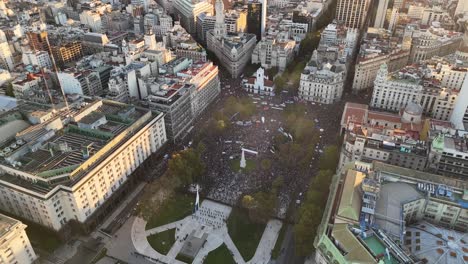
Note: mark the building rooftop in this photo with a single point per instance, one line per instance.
(63, 144)
(6, 224)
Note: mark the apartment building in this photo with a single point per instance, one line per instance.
(270, 52)
(412, 84)
(68, 52)
(377, 48)
(396, 139)
(433, 41)
(82, 82)
(65, 164)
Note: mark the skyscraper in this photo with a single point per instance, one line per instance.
(187, 11)
(256, 17)
(459, 115)
(352, 12)
(381, 14)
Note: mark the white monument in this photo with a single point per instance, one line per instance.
(243, 162)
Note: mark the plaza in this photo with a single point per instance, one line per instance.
(209, 228)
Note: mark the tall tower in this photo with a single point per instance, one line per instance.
(352, 12)
(150, 40)
(220, 27)
(460, 111)
(381, 14)
(256, 17)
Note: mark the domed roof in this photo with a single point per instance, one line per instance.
(413, 109)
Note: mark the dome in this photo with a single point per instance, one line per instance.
(413, 109)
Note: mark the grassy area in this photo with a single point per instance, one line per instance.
(219, 255)
(277, 249)
(245, 234)
(162, 242)
(250, 165)
(174, 208)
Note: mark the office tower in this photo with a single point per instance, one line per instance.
(381, 14)
(256, 18)
(352, 12)
(186, 11)
(460, 111)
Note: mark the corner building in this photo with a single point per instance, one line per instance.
(65, 164)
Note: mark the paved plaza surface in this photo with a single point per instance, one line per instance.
(131, 243)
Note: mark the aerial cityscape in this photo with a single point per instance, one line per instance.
(234, 131)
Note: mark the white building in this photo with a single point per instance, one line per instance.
(416, 11)
(434, 14)
(6, 56)
(73, 171)
(15, 246)
(322, 81)
(74, 81)
(188, 10)
(4, 76)
(259, 84)
(459, 117)
(92, 20)
(462, 7)
(235, 50)
(412, 84)
(352, 13)
(434, 41)
(377, 48)
(381, 14)
(271, 53)
(37, 58)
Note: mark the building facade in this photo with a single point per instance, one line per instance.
(15, 244)
(234, 51)
(352, 13)
(271, 53)
(188, 11)
(322, 81)
(82, 164)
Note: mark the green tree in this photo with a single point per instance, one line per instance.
(9, 90)
(280, 84)
(187, 166)
(330, 158)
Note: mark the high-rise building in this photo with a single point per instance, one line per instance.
(187, 11)
(459, 116)
(381, 14)
(68, 52)
(462, 7)
(38, 40)
(6, 57)
(256, 17)
(37, 58)
(352, 13)
(86, 82)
